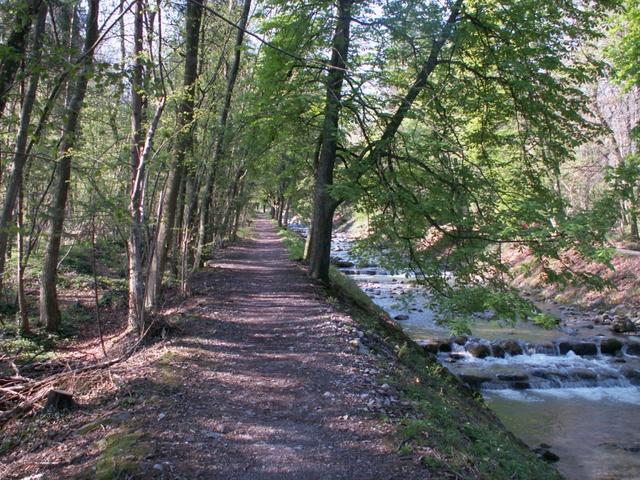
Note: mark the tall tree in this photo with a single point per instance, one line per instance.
(49, 308)
(19, 156)
(324, 204)
(204, 230)
(183, 142)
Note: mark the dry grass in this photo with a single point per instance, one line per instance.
(624, 281)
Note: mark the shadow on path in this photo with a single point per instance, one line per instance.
(264, 384)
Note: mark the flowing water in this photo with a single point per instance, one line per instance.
(585, 407)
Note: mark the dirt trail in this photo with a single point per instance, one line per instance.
(271, 387)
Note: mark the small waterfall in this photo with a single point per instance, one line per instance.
(515, 364)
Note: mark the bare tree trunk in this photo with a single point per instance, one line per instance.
(226, 227)
(20, 157)
(15, 47)
(191, 198)
(22, 299)
(135, 241)
(323, 204)
(174, 247)
(49, 309)
(285, 222)
(307, 243)
(183, 143)
(205, 198)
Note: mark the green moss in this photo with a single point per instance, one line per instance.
(168, 375)
(91, 426)
(121, 455)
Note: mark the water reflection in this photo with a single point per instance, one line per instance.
(595, 431)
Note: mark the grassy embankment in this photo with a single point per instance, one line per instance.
(450, 430)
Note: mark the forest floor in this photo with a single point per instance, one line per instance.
(266, 377)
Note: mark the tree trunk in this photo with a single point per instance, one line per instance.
(135, 241)
(49, 310)
(20, 156)
(175, 247)
(205, 198)
(183, 143)
(323, 204)
(287, 208)
(136, 236)
(191, 197)
(22, 299)
(15, 47)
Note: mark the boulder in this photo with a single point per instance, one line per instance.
(460, 339)
(622, 325)
(583, 374)
(478, 350)
(610, 346)
(497, 350)
(545, 454)
(338, 262)
(564, 347)
(510, 347)
(633, 348)
(579, 348)
(431, 346)
(521, 385)
(475, 381)
(605, 319)
(513, 377)
(633, 374)
(434, 345)
(585, 348)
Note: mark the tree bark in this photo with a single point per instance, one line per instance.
(324, 204)
(22, 299)
(20, 156)
(49, 309)
(183, 143)
(135, 241)
(15, 47)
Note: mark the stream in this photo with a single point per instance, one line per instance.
(574, 389)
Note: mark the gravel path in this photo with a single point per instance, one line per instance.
(271, 385)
